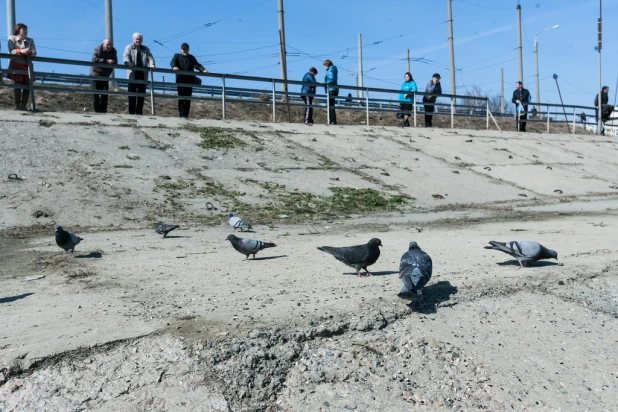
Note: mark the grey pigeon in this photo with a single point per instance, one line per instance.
(163, 229)
(358, 257)
(66, 240)
(248, 246)
(524, 251)
(414, 270)
(238, 223)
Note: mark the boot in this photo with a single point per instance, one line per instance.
(24, 99)
(17, 94)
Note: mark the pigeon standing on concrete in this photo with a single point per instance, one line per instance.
(163, 229)
(524, 251)
(66, 240)
(415, 270)
(358, 257)
(237, 223)
(248, 246)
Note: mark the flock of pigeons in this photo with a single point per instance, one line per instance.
(415, 267)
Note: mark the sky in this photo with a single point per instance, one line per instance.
(241, 37)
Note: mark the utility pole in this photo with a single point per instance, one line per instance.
(599, 45)
(10, 17)
(360, 63)
(408, 59)
(536, 70)
(450, 45)
(109, 28)
(519, 49)
(282, 52)
(502, 91)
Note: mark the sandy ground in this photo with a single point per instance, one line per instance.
(136, 322)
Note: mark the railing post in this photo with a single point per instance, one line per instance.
(367, 105)
(274, 102)
(152, 100)
(327, 105)
(487, 114)
(164, 84)
(223, 97)
(573, 120)
(548, 118)
(452, 113)
(414, 106)
(31, 85)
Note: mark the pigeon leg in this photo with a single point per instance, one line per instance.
(367, 273)
(254, 256)
(247, 258)
(359, 274)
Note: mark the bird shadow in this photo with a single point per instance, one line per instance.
(382, 273)
(10, 299)
(539, 263)
(269, 257)
(433, 297)
(91, 255)
(175, 237)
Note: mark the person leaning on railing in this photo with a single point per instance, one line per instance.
(406, 98)
(103, 53)
(137, 55)
(186, 62)
(433, 87)
(330, 78)
(21, 45)
(521, 98)
(307, 93)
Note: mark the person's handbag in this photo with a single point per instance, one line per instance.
(197, 81)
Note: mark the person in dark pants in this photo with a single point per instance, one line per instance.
(331, 79)
(103, 53)
(521, 98)
(433, 87)
(606, 108)
(137, 55)
(185, 62)
(307, 93)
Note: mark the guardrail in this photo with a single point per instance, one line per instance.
(263, 91)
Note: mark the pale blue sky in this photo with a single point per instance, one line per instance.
(244, 38)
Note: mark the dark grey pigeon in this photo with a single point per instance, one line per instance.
(238, 223)
(358, 257)
(524, 251)
(163, 229)
(66, 240)
(415, 270)
(248, 246)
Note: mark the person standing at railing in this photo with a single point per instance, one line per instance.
(21, 45)
(606, 108)
(330, 78)
(307, 93)
(429, 100)
(103, 53)
(521, 98)
(137, 55)
(406, 98)
(185, 62)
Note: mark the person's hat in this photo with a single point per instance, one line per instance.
(184, 46)
(436, 75)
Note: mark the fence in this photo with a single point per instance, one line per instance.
(262, 91)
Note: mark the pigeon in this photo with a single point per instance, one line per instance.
(248, 246)
(524, 251)
(163, 229)
(414, 270)
(358, 257)
(237, 223)
(66, 240)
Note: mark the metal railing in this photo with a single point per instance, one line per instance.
(225, 88)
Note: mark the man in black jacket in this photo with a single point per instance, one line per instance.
(606, 108)
(429, 100)
(521, 97)
(103, 53)
(185, 62)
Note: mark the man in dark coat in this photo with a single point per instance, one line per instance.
(521, 98)
(185, 62)
(606, 108)
(103, 53)
(429, 100)
(307, 93)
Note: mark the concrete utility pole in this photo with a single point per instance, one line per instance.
(408, 59)
(109, 27)
(519, 49)
(283, 57)
(360, 63)
(600, 43)
(10, 18)
(536, 61)
(451, 45)
(502, 91)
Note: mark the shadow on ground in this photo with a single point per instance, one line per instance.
(10, 299)
(433, 297)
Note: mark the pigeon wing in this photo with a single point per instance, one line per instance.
(75, 239)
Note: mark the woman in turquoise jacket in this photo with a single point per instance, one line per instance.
(406, 98)
(331, 79)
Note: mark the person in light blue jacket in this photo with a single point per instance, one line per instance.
(406, 98)
(331, 79)
(307, 93)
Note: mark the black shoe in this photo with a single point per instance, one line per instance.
(333, 122)
(406, 123)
